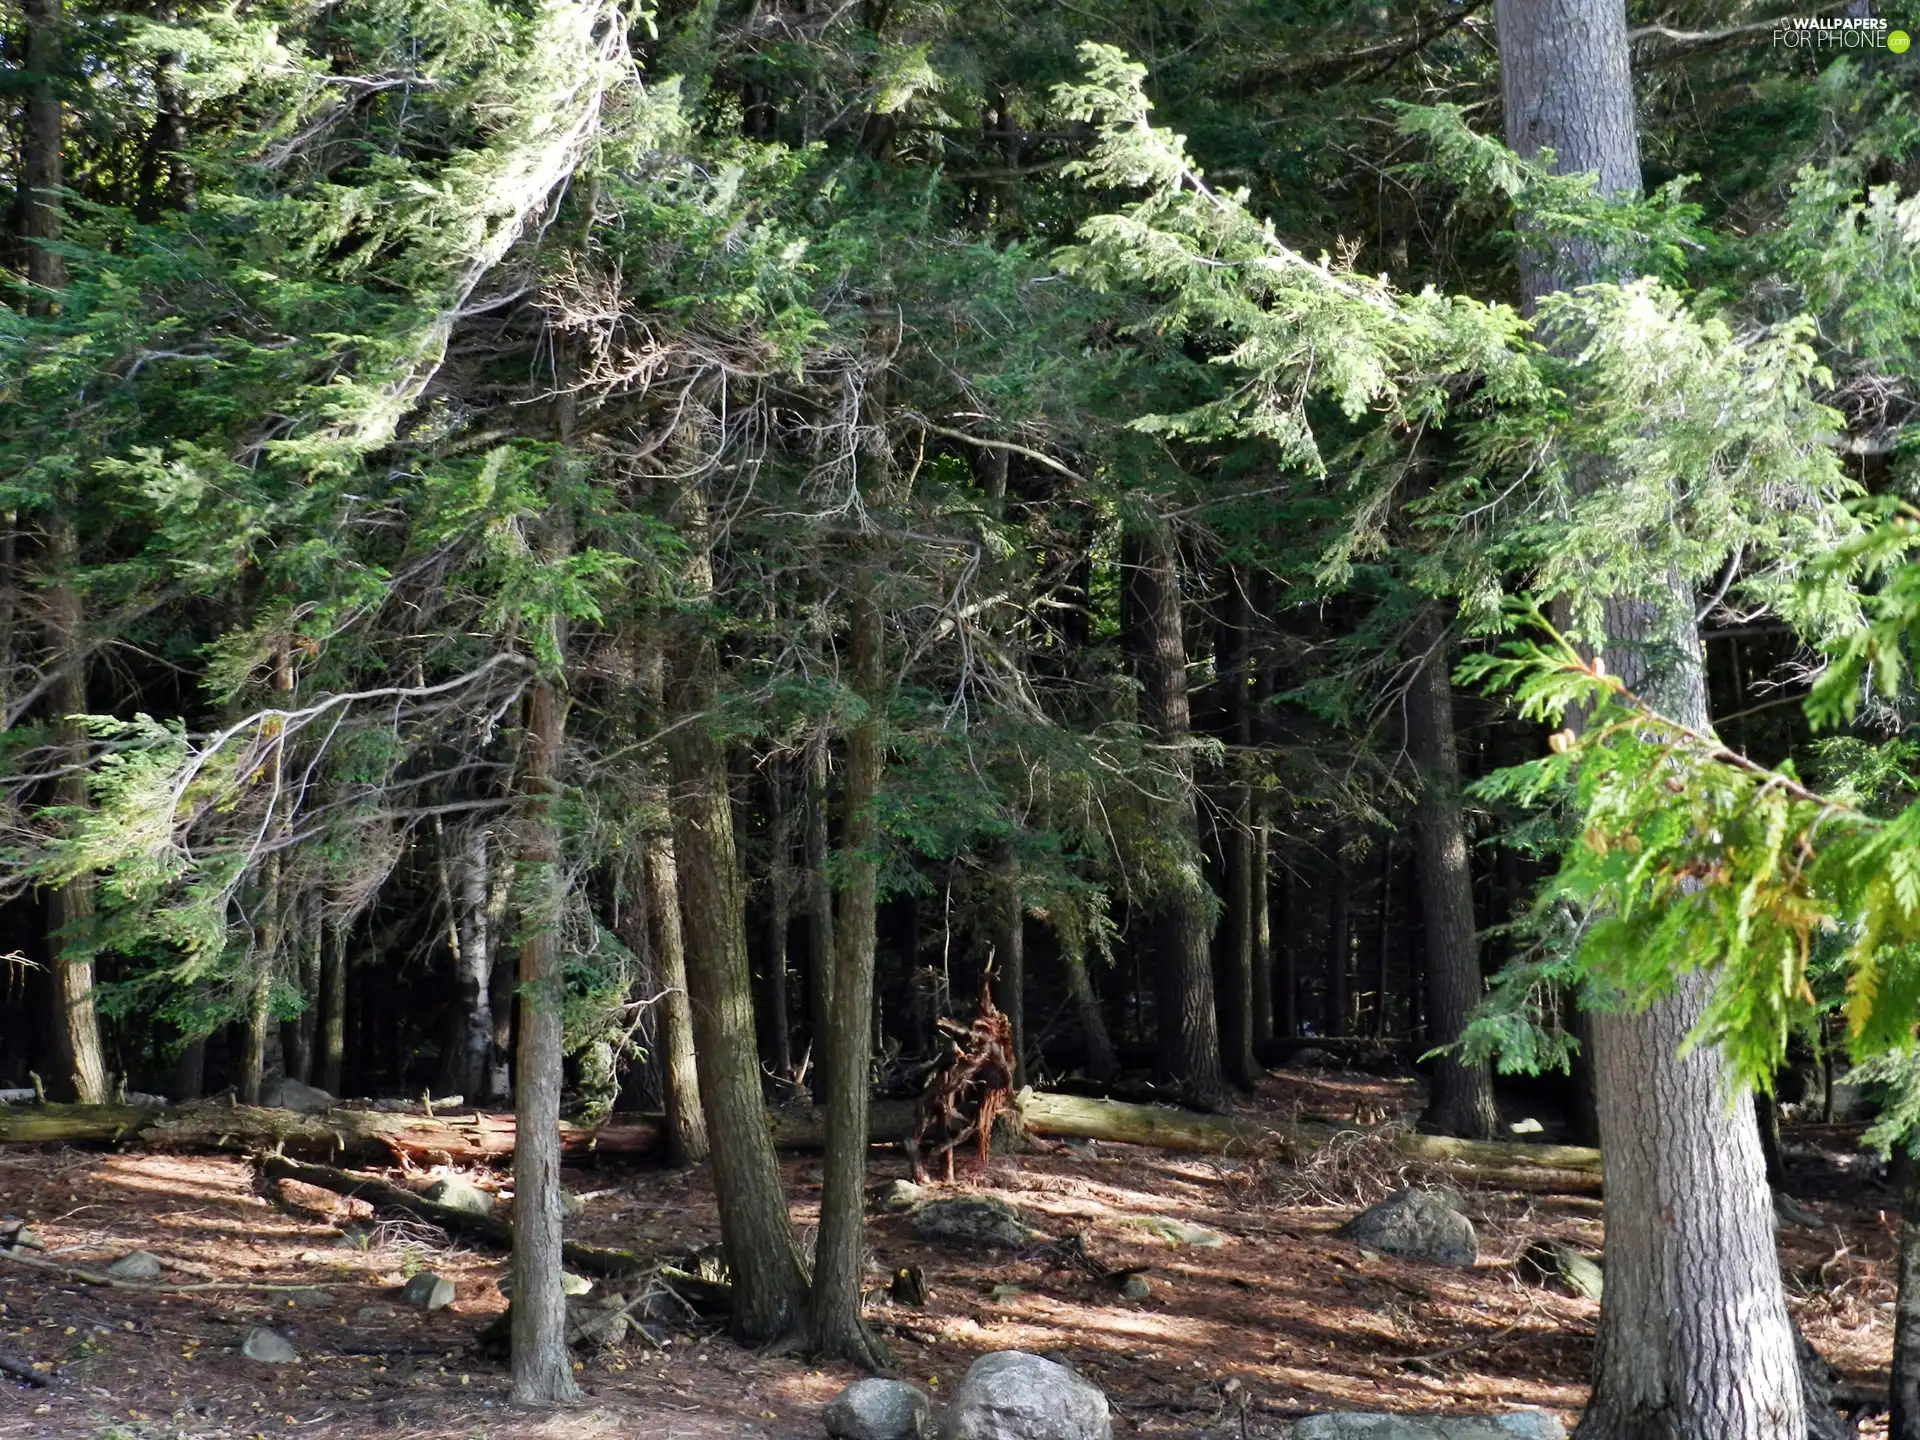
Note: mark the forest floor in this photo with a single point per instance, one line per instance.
(1267, 1316)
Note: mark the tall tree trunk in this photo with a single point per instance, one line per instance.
(1904, 1422)
(1263, 1002)
(1287, 973)
(769, 1280)
(836, 1326)
(1183, 966)
(42, 160)
(1101, 1062)
(541, 1372)
(779, 915)
(819, 915)
(1383, 948)
(465, 877)
(1460, 1095)
(332, 1061)
(1339, 943)
(686, 1137)
(500, 988)
(270, 941)
(1010, 956)
(79, 1057)
(304, 945)
(1694, 1342)
(1234, 982)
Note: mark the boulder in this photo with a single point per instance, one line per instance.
(1174, 1232)
(428, 1291)
(285, 1094)
(1011, 1395)
(458, 1194)
(1559, 1266)
(898, 1197)
(269, 1347)
(1419, 1225)
(1517, 1425)
(879, 1410)
(136, 1265)
(973, 1220)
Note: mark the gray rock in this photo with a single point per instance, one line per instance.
(1011, 1395)
(1417, 1224)
(284, 1094)
(879, 1410)
(428, 1290)
(458, 1194)
(1136, 1288)
(269, 1347)
(136, 1265)
(308, 1299)
(570, 1284)
(1560, 1267)
(1312, 1057)
(897, 1197)
(1518, 1425)
(973, 1220)
(1174, 1232)
(375, 1314)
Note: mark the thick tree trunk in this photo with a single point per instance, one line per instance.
(1383, 937)
(1904, 1397)
(1460, 1098)
(541, 1371)
(1339, 944)
(42, 159)
(770, 1284)
(1693, 1340)
(305, 948)
(81, 1061)
(819, 915)
(835, 1325)
(333, 1023)
(1101, 1062)
(1287, 972)
(472, 944)
(1263, 1003)
(1010, 956)
(1183, 965)
(256, 1062)
(680, 1077)
(1233, 981)
(779, 915)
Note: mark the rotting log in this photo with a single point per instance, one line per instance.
(594, 1259)
(486, 1138)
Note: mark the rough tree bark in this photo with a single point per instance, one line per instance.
(1694, 1342)
(81, 1062)
(270, 942)
(1183, 965)
(465, 877)
(819, 913)
(679, 1072)
(42, 158)
(1010, 956)
(1286, 978)
(1234, 982)
(1101, 1062)
(332, 1059)
(1904, 1397)
(541, 1373)
(835, 1327)
(779, 915)
(769, 1280)
(1460, 1096)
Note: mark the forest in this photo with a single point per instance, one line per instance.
(1022, 720)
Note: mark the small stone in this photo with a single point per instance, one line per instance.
(375, 1314)
(1175, 1232)
(269, 1347)
(1561, 1267)
(136, 1265)
(879, 1410)
(1528, 1126)
(458, 1194)
(1516, 1425)
(1003, 1292)
(1011, 1395)
(973, 1220)
(308, 1299)
(572, 1207)
(1420, 1225)
(1136, 1288)
(428, 1291)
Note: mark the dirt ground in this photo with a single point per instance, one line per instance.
(1268, 1316)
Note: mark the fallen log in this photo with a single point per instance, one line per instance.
(594, 1259)
(486, 1138)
